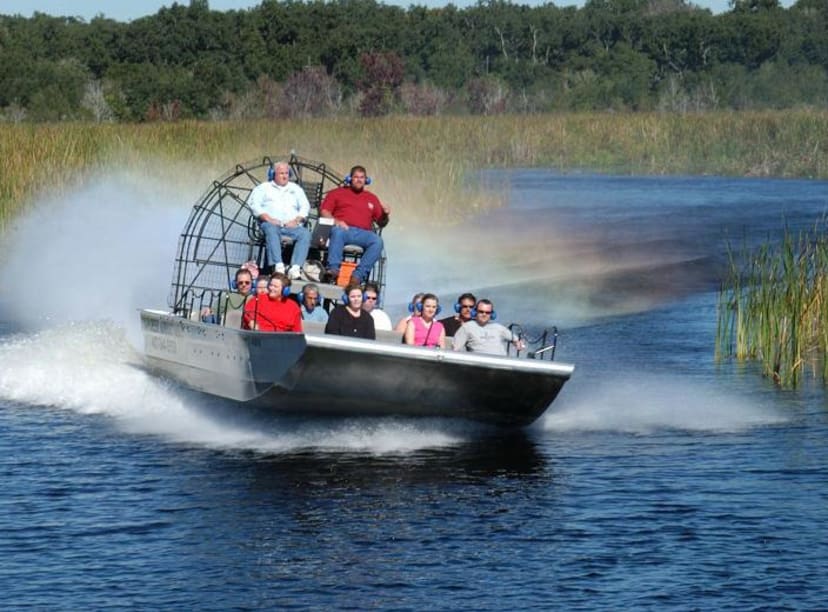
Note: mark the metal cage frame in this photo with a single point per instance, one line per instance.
(222, 233)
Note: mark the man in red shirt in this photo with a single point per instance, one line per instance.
(353, 210)
(274, 311)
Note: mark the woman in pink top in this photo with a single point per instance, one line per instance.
(425, 330)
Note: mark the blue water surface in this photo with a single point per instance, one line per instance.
(658, 479)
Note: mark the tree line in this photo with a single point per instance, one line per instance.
(315, 58)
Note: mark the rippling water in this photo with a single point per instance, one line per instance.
(657, 479)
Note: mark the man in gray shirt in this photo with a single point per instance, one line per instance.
(480, 335)
(311, 308)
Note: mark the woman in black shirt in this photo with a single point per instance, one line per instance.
(350, 319)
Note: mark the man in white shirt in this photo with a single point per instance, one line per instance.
(282, 209)
(370, 295)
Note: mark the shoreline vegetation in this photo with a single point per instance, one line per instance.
(773, 308)
(423, 162)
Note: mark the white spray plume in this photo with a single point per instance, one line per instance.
(90, 368)
(642, 404)
(98, 253)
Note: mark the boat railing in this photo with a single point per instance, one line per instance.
(541, 346)
(206, 305)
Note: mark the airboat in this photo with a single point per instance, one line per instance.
(312, 373)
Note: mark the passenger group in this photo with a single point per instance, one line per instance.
(281, 208)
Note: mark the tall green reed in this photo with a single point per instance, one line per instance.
(773, 307)
(423, 161)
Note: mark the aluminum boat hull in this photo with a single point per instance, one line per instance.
(318, 374)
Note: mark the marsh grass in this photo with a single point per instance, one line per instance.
(421, 163)
(773, 308)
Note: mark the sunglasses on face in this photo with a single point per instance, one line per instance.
(370, 297)
(242, 282)
(466, 306)
(485, 312)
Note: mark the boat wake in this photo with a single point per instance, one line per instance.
(644, 404)
(90, 368)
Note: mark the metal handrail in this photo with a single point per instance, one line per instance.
(546, 348)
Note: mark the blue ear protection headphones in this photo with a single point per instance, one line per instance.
(347, 180)
(235, 287)
(271, 173)
(419, 308)
(345, 298)
(492, 318)
(285, 288)
(466, 296)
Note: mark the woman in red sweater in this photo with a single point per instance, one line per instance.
(274, 311)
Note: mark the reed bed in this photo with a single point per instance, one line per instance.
(421, 163)
(773, 308)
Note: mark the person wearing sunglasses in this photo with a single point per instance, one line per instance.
(244, 283)
(481, 335)
(463, 307)
(233, 301)
(370, 297)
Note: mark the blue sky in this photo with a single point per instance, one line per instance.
(124, 11)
